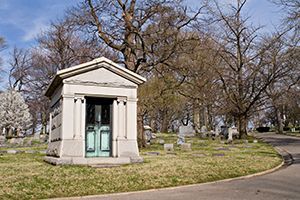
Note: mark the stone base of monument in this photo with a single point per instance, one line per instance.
(92, 161)
(186, 147)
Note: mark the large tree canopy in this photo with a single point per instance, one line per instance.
(136, 30)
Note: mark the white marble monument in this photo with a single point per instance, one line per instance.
(93, 116)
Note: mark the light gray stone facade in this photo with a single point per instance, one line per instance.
(70, 91)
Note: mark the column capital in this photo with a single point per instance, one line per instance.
(121, 99)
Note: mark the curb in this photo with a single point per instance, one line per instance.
(284, 154)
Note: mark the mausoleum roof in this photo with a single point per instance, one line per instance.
(101, 62)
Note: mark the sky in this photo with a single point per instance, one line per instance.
(22, 20)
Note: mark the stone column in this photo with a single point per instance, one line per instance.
(83, 114)
(67, 131)
(78, 117)
(131, 119)
(50, 126)
(121, 117)
(115, 129)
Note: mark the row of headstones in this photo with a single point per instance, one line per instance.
(20, 141)
(15, 151)
(183, 147)
(189, 131)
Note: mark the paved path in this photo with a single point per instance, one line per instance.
(281, 184)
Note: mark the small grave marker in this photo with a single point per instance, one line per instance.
(161, 141)
(222, 149)
(186, 147)
(168, 147)
(12, 151)
(2, 139)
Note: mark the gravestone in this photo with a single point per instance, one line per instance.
(12, 141)
(232, 132)
(230, 137)
(148, 133)
(186, 147)
(12, 151)
(180, 140)
(36, 135)
(186, 131)
(2, 139)
(161, 141)
(168, 147)
(293, 130)
(217, 130)
(19, 141)
(222, 149)
(30, 151)
(224, 131)
(203, 129)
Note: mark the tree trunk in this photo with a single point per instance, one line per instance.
(209, 118)
(164, 122)
(279, 121)
(140, 132)
(196, 117)
(140, 128)
(9, 132)
(242, 126)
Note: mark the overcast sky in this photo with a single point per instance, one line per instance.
(22, 20)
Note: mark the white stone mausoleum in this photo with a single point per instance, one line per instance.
(93, 116)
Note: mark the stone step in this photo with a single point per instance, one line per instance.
(105, 165)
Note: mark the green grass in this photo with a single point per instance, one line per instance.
(36, 147)
(26, 176)
(297, 133)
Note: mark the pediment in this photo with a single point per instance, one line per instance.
(100, 76)
(100, 71)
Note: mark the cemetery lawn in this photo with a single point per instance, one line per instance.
(26, 176)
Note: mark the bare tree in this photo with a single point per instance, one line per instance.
(135, 29)
(244, 72)
(283, 93)
(19, 66)
(291, 19)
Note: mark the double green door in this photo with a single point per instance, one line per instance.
(98, 138)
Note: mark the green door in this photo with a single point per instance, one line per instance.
(98, 127)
